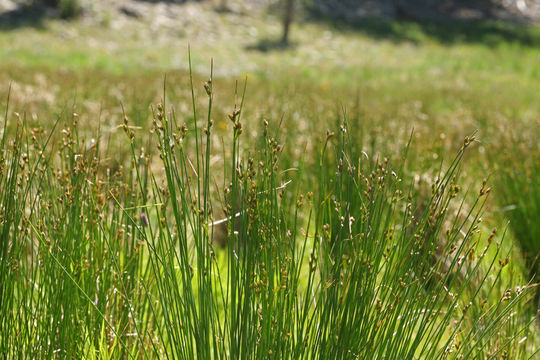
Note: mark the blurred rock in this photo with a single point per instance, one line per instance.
(7, 5)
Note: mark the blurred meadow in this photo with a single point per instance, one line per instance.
(181, 179)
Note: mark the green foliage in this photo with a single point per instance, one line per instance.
(67, 8)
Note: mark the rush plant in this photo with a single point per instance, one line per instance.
(121, 262)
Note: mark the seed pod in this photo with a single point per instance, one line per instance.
(144, 220)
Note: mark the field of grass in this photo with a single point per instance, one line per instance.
(370, 193)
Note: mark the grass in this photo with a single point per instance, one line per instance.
(344, 272)
(519, 197)
(329, 210)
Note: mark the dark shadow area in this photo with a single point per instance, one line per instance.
(169, 1)
(488, 32)
(445, 21)
(25, 16)
(267, 45)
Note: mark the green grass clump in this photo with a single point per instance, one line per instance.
(518, 175)
(335, 258)
(67, 8)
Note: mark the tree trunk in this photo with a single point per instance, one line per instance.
(287, 20)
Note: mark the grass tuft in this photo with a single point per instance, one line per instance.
(337, 258)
